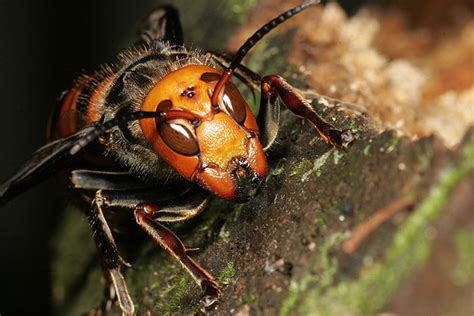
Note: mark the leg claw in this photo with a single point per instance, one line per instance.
(341, 139)
(212, 293)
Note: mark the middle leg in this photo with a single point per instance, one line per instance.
(110, 257)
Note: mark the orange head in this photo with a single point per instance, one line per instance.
(215, 146)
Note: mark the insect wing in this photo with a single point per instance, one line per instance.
(45, 162)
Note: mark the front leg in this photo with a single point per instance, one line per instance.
(145, 215)
(274, 86)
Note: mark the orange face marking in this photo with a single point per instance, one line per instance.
(218, 182)
(221, 140)
(257, 159)
(184, 88)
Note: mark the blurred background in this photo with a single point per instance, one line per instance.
(44, 46)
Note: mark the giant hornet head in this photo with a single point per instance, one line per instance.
(215, 145)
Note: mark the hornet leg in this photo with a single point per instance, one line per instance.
(274, 86)
(166, 239)
(111, 259)
(148, 215)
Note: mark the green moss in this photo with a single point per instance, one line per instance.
(300, 290)
(172, 295)
(235, 214)
(159, 281)
(317, 164)
(277, 170)
(165, 299)
(224, 234)
(168, 298)
(394, 144)
(227, 275)
(301, 166)
(337, 156)
(463, 272)
(322, 222)
(316, 294)
(468, 152)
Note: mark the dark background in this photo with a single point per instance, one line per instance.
(44, 45)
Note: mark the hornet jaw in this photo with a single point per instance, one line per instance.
(247, 182)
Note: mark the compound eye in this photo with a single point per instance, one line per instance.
(234, 103)
(178, 137)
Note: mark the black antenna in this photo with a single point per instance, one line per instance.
(101, 129)
(261, 32)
